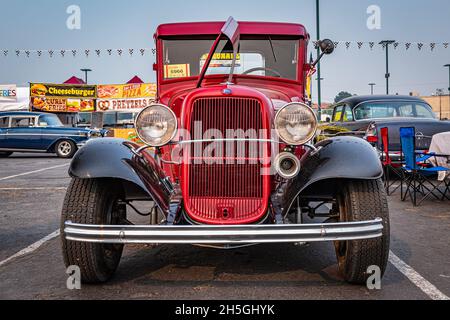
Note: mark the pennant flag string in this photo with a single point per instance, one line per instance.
(347, 45)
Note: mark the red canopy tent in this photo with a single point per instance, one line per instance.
(135, 79)
(74, 80)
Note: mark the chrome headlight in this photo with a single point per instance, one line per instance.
(156, 125)
(296, 123)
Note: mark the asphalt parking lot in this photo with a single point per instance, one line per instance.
(32, 189)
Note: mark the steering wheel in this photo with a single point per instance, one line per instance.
(276, 73)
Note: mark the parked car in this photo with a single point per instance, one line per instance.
(40, 132)
(228, 160)
(364, 116)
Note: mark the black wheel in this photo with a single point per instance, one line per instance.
(359, 201)
(5, 154)
(65, 149)
(92, 201)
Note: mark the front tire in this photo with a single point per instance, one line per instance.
(65, 149)
(360, 201)
(92, 201)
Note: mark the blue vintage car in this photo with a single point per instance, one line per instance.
(40, 132)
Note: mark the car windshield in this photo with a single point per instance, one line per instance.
(393, 109)
(49, 120)
(258, 56)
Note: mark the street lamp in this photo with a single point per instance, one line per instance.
(386, 44)
(85, 74)
(371, 87)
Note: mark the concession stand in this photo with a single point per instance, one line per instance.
(110, 106)
(119, 104)
(64, 100)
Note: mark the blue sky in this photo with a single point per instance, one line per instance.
(131, 24)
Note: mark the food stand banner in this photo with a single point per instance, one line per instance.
(8, 93)
(126, 91)
(133, 104)
(62, 98)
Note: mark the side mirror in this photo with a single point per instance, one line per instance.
(326, 46)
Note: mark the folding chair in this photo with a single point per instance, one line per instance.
(387, 163)
(417, 174)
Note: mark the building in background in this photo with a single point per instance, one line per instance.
(440, 105)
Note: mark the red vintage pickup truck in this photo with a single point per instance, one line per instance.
(228, 159)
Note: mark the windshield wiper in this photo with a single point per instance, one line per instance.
(273, 51)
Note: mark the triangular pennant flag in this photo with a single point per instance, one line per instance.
(17, 52)
(131, 51)
(97, 52)
(63, 52)
(142, 51)
(74, 52)
(86, 52)
(396, 45)
(39, 53)
(50, 53)
(119, 52)
(407, 45)
(347, 44)
(27, 52)
(432, 46)
(5, 52)
(371, 45)
(109, 51)
(419, 46)
(360, 44)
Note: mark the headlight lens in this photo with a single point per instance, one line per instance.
(156, 125)
(296, 123)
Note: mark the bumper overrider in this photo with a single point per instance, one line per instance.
(239, 234)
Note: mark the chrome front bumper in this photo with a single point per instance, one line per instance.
(241, 234)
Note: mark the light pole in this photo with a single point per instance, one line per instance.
(386, 44)
(319, 88)
(371, 87)
(448, 66)
(86, 74)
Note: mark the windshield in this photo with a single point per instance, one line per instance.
(259, 56)
(393, 109)
(49, 120)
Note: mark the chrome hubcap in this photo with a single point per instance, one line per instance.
(64, 148)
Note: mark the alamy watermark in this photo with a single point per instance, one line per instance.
(74, 280)
(374, 19)
(73, 21)
(374, 280)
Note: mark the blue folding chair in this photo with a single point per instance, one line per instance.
(417, 171)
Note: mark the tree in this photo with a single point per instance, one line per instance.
(342, 95)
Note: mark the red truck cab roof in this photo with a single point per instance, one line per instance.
(214, 28)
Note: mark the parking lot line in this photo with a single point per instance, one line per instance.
(419, 281)
(31, 172)
(31, 248)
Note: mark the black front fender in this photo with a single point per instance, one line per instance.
(336, 158)
(113, 158)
